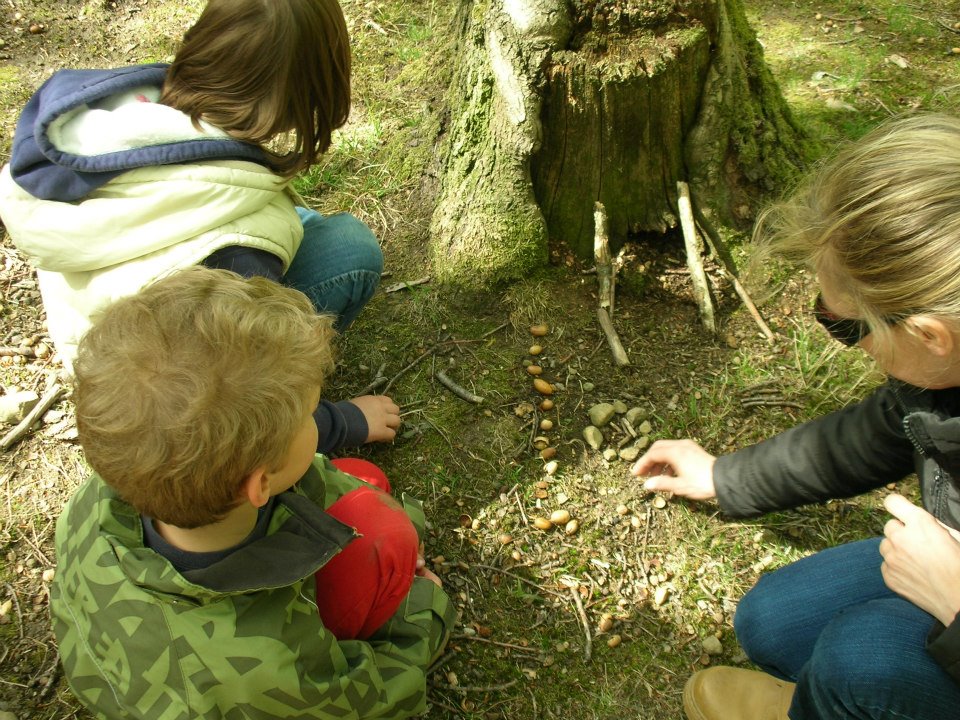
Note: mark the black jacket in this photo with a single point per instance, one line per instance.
(896, 430)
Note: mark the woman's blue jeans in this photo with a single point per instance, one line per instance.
(338, 264)
(855, 648)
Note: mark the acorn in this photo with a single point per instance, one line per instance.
(542, 386)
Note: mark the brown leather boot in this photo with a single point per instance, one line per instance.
(726, 693)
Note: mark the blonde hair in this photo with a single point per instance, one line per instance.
(186, 387)
(260, 68)
(882, 220)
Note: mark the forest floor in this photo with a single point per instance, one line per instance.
(606, 620)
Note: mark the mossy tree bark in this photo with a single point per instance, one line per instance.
(557, 104)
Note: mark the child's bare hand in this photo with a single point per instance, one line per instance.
(429, 575)
(678, 466)
(382, 415)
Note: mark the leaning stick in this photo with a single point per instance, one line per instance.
(698, 277)
(613, 340)
(23, 427)
(588, 644)
(459, 391)
(721, 251)
(606, 278)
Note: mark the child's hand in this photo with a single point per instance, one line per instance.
(382, 415)
(429, 575)
(680, 467)
(921, 559)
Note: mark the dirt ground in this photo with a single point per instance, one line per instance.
(602, 619)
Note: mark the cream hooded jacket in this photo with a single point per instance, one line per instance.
(131, 226)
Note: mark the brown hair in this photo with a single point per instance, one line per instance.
(186, 387)
(260, 68)
(881, 219)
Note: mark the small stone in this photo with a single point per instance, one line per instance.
(623, 510)
(475, 525)
(601, 414)
(561, 498)
(15, 406)
(645, 428)
(588, 387)
(636, 415)
(712, 645)
(630, 453)
(560, 517)
(609, 454)
(619, 407)
(593, 436)
(661, 595)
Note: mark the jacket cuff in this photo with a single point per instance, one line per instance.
(729, 488)
(338, 425)
(943, 644)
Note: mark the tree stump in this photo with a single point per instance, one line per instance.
(557, 105)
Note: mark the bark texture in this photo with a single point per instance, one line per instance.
(558, 104)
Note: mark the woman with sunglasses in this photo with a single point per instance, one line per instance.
(869, 629)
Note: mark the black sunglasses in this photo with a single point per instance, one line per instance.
(848, 331)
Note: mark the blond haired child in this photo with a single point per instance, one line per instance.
(868, 629)
(119, 177)
(214, 565)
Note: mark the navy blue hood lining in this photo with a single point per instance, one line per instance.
(51, 174)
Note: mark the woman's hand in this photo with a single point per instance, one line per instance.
(921, 559)
(382, 415)
(680, 467)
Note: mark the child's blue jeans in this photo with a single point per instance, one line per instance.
(854, 647)
(338, 264)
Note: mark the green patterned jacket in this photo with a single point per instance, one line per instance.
(139, 640)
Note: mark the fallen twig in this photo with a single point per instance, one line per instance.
(377, 382)
(518, 577)
(726, 259)
(698, 278)
(511, 646)
(588, 644)
(406, 284)
(458, 390)
(23, 427)
(486, 688)
(613, 340)
(421, 358)
(756, 402)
